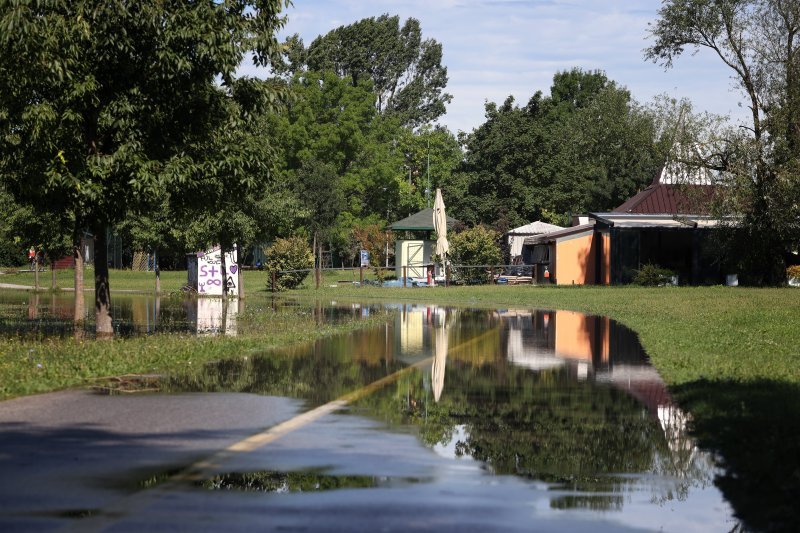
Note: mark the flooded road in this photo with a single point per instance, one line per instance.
(443, 418)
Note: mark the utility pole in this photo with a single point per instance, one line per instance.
(428, 189)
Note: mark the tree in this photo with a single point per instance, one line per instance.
(758, 41)
(405, 70)
(107, 105)
(588, 146)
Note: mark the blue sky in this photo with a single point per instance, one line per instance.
(496, 48)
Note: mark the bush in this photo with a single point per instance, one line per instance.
(653, 276)
(293, 253)
(474, 246)
(793, 272)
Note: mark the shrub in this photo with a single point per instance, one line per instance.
(474, 246)
(793, 272)
(293, 253)
(653, 276)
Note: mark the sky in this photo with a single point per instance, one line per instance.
(496, 48)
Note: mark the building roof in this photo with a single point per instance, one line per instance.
(534, 228)
(421, 221)
(663, 199)
(560, 234)
(638, 220)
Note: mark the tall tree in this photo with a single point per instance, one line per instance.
(105, 104)
(587, 146)
(758, 40)
(406, 71)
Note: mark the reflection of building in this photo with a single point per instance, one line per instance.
(590, 348)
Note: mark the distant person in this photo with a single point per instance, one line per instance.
(32, 258)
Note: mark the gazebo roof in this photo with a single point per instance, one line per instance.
(421, 221)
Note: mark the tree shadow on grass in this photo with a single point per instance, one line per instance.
(755, 429)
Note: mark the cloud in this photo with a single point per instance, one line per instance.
(493, 48)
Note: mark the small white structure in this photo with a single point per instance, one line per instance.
(517, 235)
(206, 275)
(415, 255)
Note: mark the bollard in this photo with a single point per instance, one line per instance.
(361, 276)
(274, 280)
(405, 276)
(491, 282)
(317, 275)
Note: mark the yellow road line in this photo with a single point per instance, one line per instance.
(206, 467)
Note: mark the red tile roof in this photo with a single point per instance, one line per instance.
(670, 199)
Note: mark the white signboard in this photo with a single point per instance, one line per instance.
(211, 279)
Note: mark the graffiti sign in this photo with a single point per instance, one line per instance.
(211, 278)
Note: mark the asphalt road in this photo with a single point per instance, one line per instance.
(76, 460)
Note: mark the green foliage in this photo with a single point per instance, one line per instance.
(587, 147)
(475, 246)
(292, 253)
(114, 106)
(653, 276)
(404, 70)
(759, 164)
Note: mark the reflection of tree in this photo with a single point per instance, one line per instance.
(318, 372)
(545, 426)
(271, 481)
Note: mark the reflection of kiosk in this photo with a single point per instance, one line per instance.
(415, 252)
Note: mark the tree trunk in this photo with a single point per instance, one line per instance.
(52, 273)
(223, 265)
(80, 305)
(157, 271)
(314, 259)
(36, 271)
(104, 329)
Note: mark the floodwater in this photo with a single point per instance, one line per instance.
(554, 419)
(564, 402)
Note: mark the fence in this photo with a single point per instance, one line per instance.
(455, 275)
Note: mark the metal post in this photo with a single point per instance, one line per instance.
(360, 276)
(405, 275)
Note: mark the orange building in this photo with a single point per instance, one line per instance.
(666, 224)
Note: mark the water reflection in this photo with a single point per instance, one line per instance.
(552, 396)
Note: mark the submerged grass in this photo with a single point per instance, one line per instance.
(121, 280)
(29, 366)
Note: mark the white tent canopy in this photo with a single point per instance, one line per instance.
(517, 235)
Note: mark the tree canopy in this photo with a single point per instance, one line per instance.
(107, 105)
(405, 70)
(758, 41)
(587, 146)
